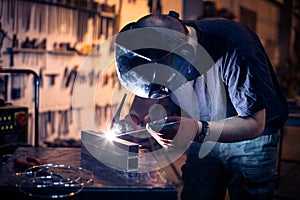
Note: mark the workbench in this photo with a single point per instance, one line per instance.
(107, 183)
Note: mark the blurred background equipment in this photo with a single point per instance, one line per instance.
(13, 124)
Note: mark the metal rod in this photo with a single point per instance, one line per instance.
(144, 129)
(116, 118)
(131, 132)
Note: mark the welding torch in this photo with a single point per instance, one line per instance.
(151, 127)
(154, 126)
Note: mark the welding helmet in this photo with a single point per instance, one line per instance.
(154, 58)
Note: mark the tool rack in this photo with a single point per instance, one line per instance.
(53, 29)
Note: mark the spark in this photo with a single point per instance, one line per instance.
(110, 135)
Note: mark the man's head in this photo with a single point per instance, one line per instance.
(170, 21)
(156, 26)
(153, 55)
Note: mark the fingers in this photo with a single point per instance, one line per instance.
(176, 131)
(35, 160)
(124, 126)
(155, 135)
(22, 164)
(29, 162)
(168, 127)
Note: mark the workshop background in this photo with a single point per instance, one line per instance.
(62, 42)
(54, 38)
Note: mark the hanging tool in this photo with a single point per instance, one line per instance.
(71, 78)
(51, 78)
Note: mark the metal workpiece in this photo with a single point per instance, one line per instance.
(101, 141)
(113, 152)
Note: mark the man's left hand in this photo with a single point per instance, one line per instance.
(174, 131)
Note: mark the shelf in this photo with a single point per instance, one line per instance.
(42, 51)
(63, 52)
(88, 7)
(24, 50)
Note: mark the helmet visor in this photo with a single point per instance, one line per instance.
(154, 77)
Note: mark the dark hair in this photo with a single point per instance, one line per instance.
(169, 21)
(150, 22)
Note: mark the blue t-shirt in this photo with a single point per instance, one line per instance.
(242, 73)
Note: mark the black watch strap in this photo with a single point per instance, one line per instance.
(204, 131)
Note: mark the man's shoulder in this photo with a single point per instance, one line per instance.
(223, 30)
(213, 22)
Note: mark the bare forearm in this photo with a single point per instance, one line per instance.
(235, 129)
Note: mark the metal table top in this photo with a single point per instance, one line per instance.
(107, 183)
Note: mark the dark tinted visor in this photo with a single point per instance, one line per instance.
(152, 77)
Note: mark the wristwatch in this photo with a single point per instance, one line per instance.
(204, 132)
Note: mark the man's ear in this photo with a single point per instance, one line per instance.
(187, 51)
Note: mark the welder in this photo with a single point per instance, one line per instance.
(217, 72)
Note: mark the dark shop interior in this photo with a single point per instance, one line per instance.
(150, 99)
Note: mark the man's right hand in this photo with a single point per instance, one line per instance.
(124, 126)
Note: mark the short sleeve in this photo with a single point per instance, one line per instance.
(244, 83)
